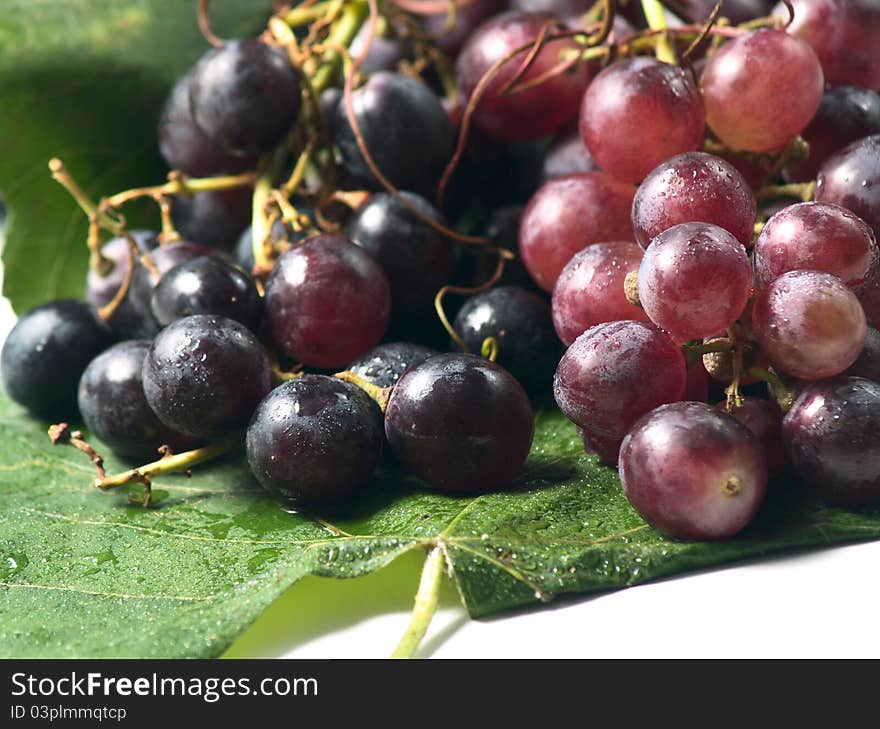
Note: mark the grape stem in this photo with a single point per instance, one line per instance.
(342, 34)
(379, 395)
(656, 18)
(61, 434)
(180, 184)
(427, 598)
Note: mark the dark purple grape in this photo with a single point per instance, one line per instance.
(214, 219)
(386, 51)
(531, 113)
(521, 323)
(417, 259)
(185, 147)
(831, 434)
(467, 18)
(845, 34)
(694, 280)
(692, 472)
(204, 375)
(816, 236)
(503, 229)
(868, 363)
(396, 115)
(327, 302)
(809, 324)
(207, 285)
(604, 448)
(244, 249)
(764, 419)
(851, 179)
(614, 373)
(845, 115)
(568, 214)
(383, 365)
(567, 155)
(46, 352)
(114, 408)
(640, 98)
(761, 90)
(559, 8)
(245, 95)
(460, 423)
(694, 187)
(736, 11)
(314, 440)
(100, 290)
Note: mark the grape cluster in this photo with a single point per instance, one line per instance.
(671, 230)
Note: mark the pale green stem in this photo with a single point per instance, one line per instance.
(657, 21)
(426, 603)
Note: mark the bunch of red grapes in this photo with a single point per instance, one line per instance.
(700, 198)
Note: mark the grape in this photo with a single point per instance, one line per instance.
(114, 408)
(416, 258)
(831, 437)
(604, 448)
(696, 387)
(314, 440)
(213, 218)
(244, 249)
(694, 187)
(460, 423)
(809, 324)
(569, 213)
(185, 147)
(386, 51)
(245, 95)
(522, 326)
(327, 302)
(736, 11)
(761, 89)
(589, 290)
(845, 34)
(763, 418)
(692, 472)
(622, 98)
(851, 178)
(694, 280)
(467, 18)
(46, 352)
(383, 365)
(396, 115)
(818, 237)
(204, 375)
(567, 155)
(845, 115)
(100, 290)
(530, 113)
(868, 363)
(559, 8)
(614, 373)
(207, 285)
(869, 298)
(503, 229)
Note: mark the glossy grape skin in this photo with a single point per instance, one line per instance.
(113, 406)
(763, 418)
(45, 354)
(386, 51)
(845, 34)
(384, 364)
(314, 440)
(809, 324)
(460, 423)
(207, 285)
(528, 114)
(614, 373)
(185, 147)
(818, 237)
(327, 302)
(868, 363)
(467, 19)
(619, 102)
(213, 218)
(567, 155)
(521, 323)
(568, 213)
(204, 375)
(100, 290)
(851, 179)
(416, 258)
(692, 472)
(690, 187)
(694, 280)
(604, 448)
(831, 434)
(845, 115)
(245, 95)
(761, 90)
(396, 115)
(589, 291)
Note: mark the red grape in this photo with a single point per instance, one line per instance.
(567, 155)
(764, 419)
(603, 447)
